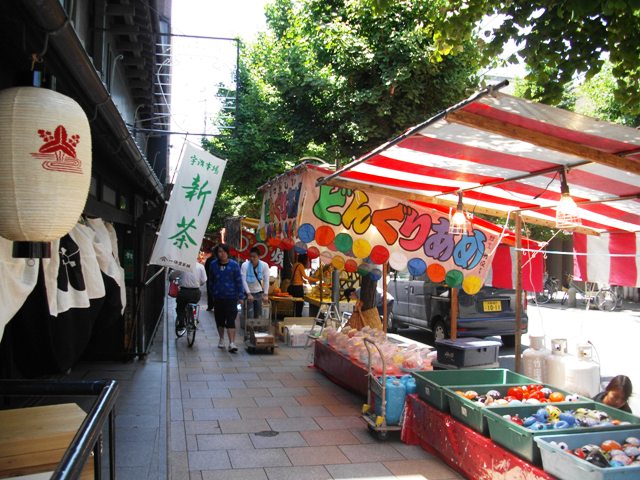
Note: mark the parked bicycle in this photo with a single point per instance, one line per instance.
(190, 323)
(603, 298)
(549, 290)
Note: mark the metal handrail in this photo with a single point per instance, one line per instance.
(88, 438)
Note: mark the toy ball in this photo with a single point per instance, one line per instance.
(614, 452)
(507, 417)
(587, 449)
(546, 392)
(517, 420)
(578, 452)
(560, 445)
(625, 460)
(633, 441)
(482, 399)
(494, 394)
(460, 392)
(515, 402)
(470, 394)
(597, 458)
(501, 401)
(553, 413)
(572, 398)
(532, 401)
(556, 397)
(632, 451)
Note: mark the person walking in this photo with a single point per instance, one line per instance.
(207, 266)
(255, 281)
(225, 285)
(190, 283)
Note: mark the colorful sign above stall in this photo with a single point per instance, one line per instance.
(272, 256)
(187, 215)
(359, 231)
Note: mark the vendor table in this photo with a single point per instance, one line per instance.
(276, 300)
(463, 449)
(340, 369)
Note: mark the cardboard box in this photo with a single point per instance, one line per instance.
(288, 321)
(296, 335)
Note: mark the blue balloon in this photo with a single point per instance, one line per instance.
(306, 232)
(375, 274)
(417, 267)
(529, 421)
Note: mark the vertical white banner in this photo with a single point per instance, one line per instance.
(187, 215)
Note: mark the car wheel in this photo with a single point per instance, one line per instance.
(391, 323)
(508, 340)
(439, 330)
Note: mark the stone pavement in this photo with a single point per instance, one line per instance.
(260, 416)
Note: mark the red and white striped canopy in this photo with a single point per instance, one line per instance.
(505, 154)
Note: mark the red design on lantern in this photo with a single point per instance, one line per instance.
(59, 151)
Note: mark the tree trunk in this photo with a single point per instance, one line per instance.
(368, 292)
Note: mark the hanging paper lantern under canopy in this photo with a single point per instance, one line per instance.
(45, 167)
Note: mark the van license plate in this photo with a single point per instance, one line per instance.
(492, 306)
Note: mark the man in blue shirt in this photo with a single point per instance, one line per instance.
(225, 286)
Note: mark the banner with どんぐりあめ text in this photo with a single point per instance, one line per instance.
(359, 231)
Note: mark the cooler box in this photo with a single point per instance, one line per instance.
(430, 384)
(567, 466)
(467, 352)
(520, 440)
(296, 335)
(473, 415)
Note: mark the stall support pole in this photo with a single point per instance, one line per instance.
(385, 313)
(454, 313)
(518, 336)
(320, 270)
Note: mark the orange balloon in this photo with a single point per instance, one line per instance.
(436, 273)
(324, 235)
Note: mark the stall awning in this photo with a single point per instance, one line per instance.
(506, 154)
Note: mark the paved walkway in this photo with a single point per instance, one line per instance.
(258, 417)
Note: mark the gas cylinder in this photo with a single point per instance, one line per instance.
(556, 363)
(534, 359)
(583, 373)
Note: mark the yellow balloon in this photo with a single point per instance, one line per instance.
(361, 248)
(472, 284)
(337, 262)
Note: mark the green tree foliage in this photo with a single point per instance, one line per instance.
(334, 79)
(559, 39)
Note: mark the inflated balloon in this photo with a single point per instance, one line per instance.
(274, 242)
(313, 252)
(326, 257)
(287, 244)
(379, 254)
(351, 266)
(306, 233)
(300, 247)
(337, 262)
(454, 278)
(436, 273)
(364, 269)
(361, 248)
(417, 267)
(343, 242)
(472, 284)
(398, 261)
(332, 246)
(324, 235)
(375, 274)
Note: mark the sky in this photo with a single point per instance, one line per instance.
(199, 65)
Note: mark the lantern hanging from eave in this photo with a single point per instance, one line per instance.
(45, 167)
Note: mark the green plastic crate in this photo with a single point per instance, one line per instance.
(473, 415)
(520, 440)
(430, 384)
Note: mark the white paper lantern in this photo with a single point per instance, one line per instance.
(45, 164)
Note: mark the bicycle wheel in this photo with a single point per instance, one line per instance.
(606, 300)
(191, 326)
(545, 296)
